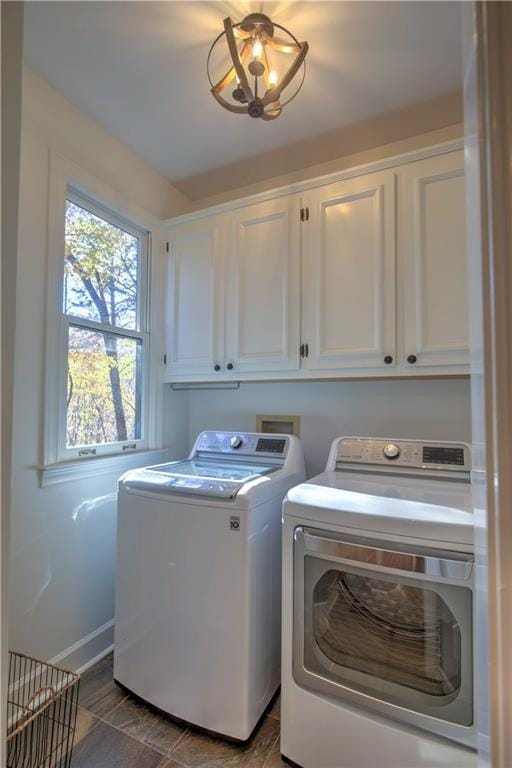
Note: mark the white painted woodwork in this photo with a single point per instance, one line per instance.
(377, 269)
(435, 264)
(195, 326)
(263, 301)
(349, 273)
(488, 113)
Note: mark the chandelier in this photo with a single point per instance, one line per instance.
(259, 67)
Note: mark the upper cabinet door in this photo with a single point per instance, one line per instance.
(435, 263)
(349, 274)
(262, 329)
(195, 322)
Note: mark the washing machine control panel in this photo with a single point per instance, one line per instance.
(246, 443)
(412, 454)
(391, 452)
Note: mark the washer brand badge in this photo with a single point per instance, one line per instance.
(234, 523)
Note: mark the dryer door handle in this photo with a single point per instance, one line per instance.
(419, 561)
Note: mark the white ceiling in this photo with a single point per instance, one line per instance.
(138, 68)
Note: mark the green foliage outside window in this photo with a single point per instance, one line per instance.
(101, 284)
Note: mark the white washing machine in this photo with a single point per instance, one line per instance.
(198, 593)
(377, 659)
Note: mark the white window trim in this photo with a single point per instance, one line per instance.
(65, 176)
(142, 335)
(67, 471)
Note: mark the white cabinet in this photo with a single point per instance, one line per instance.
(263, 300)
(436, 322)
(371, 282)
(195, 312)
(234, 293)
(349, 254)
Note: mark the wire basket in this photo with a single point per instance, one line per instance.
(42, 707)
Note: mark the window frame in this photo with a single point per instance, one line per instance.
(141, 335)
(69, 182)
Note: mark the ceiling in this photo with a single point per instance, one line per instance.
(138, 68)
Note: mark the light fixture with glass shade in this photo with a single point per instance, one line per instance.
(255, 70)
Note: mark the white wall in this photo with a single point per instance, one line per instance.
(63, 536)
(11, 31)
(81, 139)
(437, 410)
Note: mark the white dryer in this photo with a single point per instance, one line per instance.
(377, 664)
(198, 593)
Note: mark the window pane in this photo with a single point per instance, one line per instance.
(101, 269)
(104, 388)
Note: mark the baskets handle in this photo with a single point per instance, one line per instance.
(49, 694)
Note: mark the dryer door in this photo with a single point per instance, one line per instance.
(385, 628)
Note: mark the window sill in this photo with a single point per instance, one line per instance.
(79, 469)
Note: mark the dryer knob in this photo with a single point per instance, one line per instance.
(236, 441)
(391, 451)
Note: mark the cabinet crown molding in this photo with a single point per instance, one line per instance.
(387, 163)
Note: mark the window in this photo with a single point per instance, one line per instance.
(104, 332)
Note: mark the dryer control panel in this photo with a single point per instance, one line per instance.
(396, 454)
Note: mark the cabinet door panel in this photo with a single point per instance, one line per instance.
(435, 270)
(264, 279)
(349, 273)
(195, 326)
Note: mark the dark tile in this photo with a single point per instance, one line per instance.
(274, 757)
(196, 750)
(275, 709)
(56, 741)
(98, 692)
(85, 722)
(141, 723)
(104, 747)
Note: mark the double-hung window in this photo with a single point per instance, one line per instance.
(103, 387)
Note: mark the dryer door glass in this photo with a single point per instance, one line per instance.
(394, 630)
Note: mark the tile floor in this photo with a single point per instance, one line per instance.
(116, 731)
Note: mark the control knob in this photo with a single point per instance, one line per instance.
(236, 441)
(391, 451)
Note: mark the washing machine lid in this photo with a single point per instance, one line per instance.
(425, 508)
(213, 477)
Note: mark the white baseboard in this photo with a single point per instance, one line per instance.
(92, 662)
(87, 651)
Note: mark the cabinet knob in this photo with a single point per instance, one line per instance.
(229, 366)
(216, 367)
(411, 359)
(388, 359)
